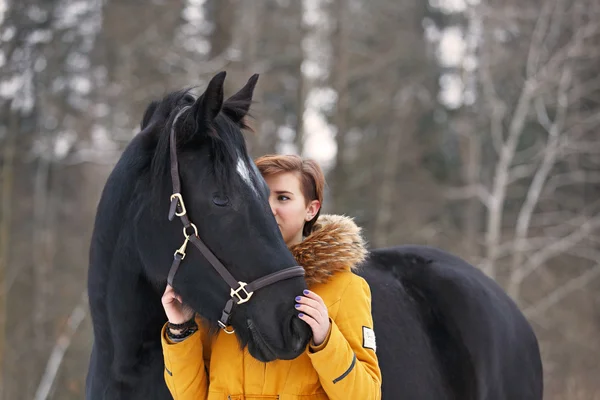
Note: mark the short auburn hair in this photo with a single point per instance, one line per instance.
(312, 179)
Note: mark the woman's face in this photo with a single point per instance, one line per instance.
(289, 205)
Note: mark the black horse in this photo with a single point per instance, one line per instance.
(133, 243)
(444, 330)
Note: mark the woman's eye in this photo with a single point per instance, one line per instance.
(283, 198)
(220, 200)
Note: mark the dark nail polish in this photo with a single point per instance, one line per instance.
(301, 315)
(306, 292)
(297, 305)
(298, 298)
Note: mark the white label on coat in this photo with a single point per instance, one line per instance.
(369, 339)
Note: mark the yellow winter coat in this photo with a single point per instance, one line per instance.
(344, 367)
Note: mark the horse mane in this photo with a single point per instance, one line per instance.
(223, 135)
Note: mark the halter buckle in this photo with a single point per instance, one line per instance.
(244, 297)
(180, 202)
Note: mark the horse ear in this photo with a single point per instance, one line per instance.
(207, 107)
(241, 101)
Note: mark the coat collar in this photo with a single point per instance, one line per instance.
(334, 245)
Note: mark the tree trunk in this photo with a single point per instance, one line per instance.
(6, 180)
(223, 18)
(339, 176)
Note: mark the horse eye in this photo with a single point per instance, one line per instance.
(220, 200)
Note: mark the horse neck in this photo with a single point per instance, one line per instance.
(126, 307)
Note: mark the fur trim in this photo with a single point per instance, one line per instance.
(334, 245)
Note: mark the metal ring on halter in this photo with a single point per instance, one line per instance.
(185, 230)
(224, 327)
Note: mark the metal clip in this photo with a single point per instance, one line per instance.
(181, 250)
(180, 201)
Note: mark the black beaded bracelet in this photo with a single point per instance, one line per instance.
(191, 323)
(182, 335)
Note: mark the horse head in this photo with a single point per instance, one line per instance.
(220, 221)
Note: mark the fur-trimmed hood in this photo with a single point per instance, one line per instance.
(334, 245)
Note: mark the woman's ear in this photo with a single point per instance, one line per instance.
(312, 209)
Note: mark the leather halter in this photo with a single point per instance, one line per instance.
(240, 292)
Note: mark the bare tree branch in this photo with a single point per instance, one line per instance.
(520, 172)
(572, 178)
(572, 337)
(572, 50)
(540, 177)
(527, 244)
(561, 292)
(558, 247)
(541, 26)
(60, 348)
(467, 192)
(501, 178)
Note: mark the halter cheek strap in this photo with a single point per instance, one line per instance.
(240, 292)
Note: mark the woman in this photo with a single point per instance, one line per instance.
(340, 362)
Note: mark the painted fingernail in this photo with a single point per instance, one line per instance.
(298, 298)
(297, 305)
(301, 315)
(306, 292)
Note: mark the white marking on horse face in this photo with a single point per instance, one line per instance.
(243, 171)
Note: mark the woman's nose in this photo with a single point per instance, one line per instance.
(273, 209)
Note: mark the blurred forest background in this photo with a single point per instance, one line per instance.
(472, 125)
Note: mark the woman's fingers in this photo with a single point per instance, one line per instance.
(313, 323)
(177, 312)
(314, 296)
(310, 302)
(314, 312)
(171, 298)
(313, 305)
(308, 310)
(169, 295)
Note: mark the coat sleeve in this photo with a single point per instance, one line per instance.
(347, 363)
(187, 365)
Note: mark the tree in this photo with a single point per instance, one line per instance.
(532, 151)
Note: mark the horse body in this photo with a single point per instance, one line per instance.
(446, 331)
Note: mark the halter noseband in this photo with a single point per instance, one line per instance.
(240, 291)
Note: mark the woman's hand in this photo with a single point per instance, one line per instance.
(177, 312)
(314, 312)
